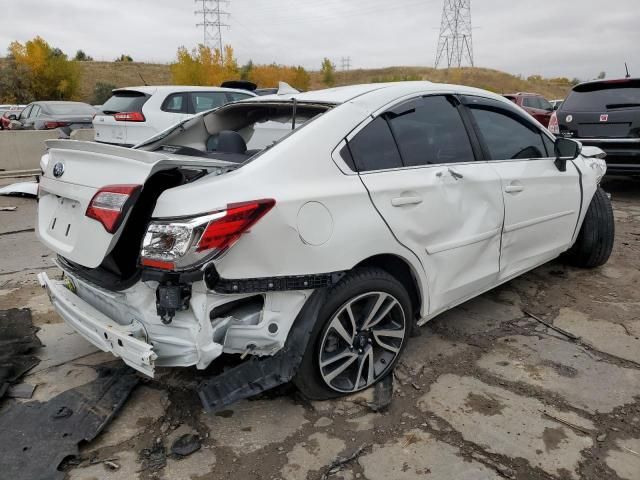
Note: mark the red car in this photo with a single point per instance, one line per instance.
(6, 117)
(536, 105)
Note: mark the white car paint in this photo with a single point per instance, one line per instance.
(129, 133)
(461, 228)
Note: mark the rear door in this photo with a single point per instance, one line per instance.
(541, 203)
(110, 130)
(419, 166)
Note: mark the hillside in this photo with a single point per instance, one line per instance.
(121, 74)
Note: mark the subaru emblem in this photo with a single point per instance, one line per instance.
(58, 169)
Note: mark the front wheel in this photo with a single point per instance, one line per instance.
(359, 335)
(595, 240)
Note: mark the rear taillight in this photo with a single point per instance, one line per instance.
(110, 204)
(52, 125)
(554, 127)
(187, 244)
(129, 117)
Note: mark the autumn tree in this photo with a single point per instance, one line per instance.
(204, 66)
(328, 71)
(268, 76)
(47, 72)
(82, 57)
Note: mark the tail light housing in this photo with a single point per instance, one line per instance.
(129, 117)
(110, 204)
(52, 125)
(554, 126)
(185, 244)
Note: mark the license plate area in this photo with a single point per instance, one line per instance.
(64, 220)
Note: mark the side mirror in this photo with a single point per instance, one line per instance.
(566, 149)
(12, 117)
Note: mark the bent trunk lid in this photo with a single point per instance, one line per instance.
(81, 169)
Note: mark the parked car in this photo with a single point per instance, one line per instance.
(606, 114)
(49, 115)
(134, 114)
(6, 116)
(556, 104)
(310, 233)
(535, 105)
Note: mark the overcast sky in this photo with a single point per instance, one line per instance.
(572, 38)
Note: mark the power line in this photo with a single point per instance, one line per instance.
(212, 22)
(455, 43)
(346, 64)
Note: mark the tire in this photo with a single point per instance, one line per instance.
(360, 291)
(595, 240)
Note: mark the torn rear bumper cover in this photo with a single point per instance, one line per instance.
(99, 329)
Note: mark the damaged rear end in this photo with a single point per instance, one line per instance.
(146, 288)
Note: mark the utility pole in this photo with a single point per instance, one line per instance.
(455, 43)
(212, 16)
(346, 64)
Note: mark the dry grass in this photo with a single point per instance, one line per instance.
(121, 74)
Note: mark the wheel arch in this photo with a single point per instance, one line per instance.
(404, 272)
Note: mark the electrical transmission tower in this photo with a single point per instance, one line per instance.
(212, 22)
(455, 44)
(346, 64)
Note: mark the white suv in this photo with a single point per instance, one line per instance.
(134, 114)
(309, 233)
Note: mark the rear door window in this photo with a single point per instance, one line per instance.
(202, 101)
(429, 130)
(235, 96)
(125, 101)
(603, 96)
(374, 148)
(506, 134)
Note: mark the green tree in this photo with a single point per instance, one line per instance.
(124, 58)
(328, 71)
(245, 70)
(101, 93)
(82, 57)
(601, 75)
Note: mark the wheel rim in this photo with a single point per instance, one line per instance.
(361, 342)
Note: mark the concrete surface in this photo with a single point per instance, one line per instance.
(485, 392)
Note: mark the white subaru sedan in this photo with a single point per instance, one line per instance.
(133, 114)
(306, 235)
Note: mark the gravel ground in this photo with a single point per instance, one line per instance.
(486, 391)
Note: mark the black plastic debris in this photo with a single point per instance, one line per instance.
(186, 445)
(154, 458)
(17, 340)
(36, 437)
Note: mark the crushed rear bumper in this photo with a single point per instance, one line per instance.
(127, 342)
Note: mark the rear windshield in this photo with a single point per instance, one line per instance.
(605, 96)
(70, 109)
(125, 101)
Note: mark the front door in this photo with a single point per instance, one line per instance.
(542, 204)
(418, 164)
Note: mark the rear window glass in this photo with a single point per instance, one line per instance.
(70, 109)
(126, 101)
(603, 96)
(203, 101)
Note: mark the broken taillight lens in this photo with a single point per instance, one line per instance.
(186, 244)
(110, 204)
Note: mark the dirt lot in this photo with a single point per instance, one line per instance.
(485, 392)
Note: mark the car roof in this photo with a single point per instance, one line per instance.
(604, 82)
(373, 94)
(151, 89)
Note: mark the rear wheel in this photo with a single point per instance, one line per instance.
(361, 331)
(595, 240)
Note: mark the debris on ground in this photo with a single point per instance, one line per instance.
(186, 445)
(17, 340)
(36, 436)
(21, 189)
(8, 209)
(22, 390)
(382, 394)
(154, 458)
(340, 462)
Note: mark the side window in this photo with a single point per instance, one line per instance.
(429, 130)
(25, 113)
(235, 96)
(550, 146)
(545, 104)
(531, 102)
(203, 101)
(374, 148)
(175, 103)
(35, 111)
(507, 135)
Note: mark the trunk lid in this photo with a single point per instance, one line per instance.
(74, 173)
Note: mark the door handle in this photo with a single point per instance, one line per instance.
(514, 188)
(402, 201)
